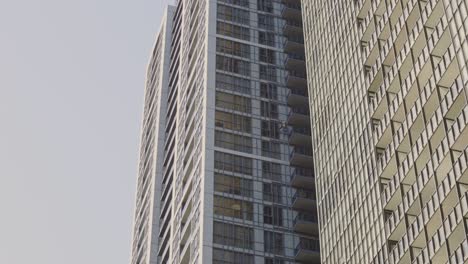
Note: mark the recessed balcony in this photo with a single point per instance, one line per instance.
(294, 61)
(306, 223)
(308, 249)
(291, 11)
(294, 44)
(304, 200)
(296, 79)
(298, 97)
(299, 116)
(301, 176)
(292, 27)
(300, 136)
(301, 156)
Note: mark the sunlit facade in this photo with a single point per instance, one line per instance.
(388, 94)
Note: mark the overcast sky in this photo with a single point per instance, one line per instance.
(71, 89)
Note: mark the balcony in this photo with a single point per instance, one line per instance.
(303, 200)
(308, 249)
(301, 176)
(292, 27)
(298, 97)
(299, 116)
(294, 44)
(291, 11)
(301, 156)
(306, 223)
(294, 61)
(296, 79)
(300, 136)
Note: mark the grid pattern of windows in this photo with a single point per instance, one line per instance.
(233, 235)
(262, 173)
(388, 92)
(231, 161)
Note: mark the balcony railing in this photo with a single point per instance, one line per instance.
(302, 172)
(293, 6)
(293, 23)
(299, 110)
(304, 200)
(297, 74)
(294, 61)
(301, 176)
(295, 39)
(298, 96)
(300, 130)
(301, 151)
(295, 56)
(308, 244)
(303, 193)
(305, 217)
(291, 11)
(298, 91)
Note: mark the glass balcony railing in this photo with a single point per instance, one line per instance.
(298, 91)
(305, 217)
(292, 23)
(307, 244)
(300, 130)
(297, 74)
(299, 110)
(295, 56)
(303, 193)
(306, 151)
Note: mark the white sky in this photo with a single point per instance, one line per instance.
(71, 89)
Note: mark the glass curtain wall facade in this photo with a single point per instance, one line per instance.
(234, 181)
(388, 93)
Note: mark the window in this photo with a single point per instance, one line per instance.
(273, 215)
(236, 2)
(272, 192)
(232, 65)
(269, 90)
(233, 235)
(232, 83)
(268, 109)
(233, 142)
(233, 121)
(271, 149)
(265, 5)
(234, 102)
(266, 22)
(233, 163)
(268, 72)
(271, 129)
(233, 48)
(234, 31)
(233, 185)
(273, 242)
(274, 261)
(266, 38)
(271, 171)
(233, 14)
(235, 208)
(221, 256)
(267, 55)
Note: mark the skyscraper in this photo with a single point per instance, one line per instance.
(388, 92)
(226, 172)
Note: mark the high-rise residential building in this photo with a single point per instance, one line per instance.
(226, 168)
(388, 92)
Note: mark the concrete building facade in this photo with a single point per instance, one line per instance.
(388, 94)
